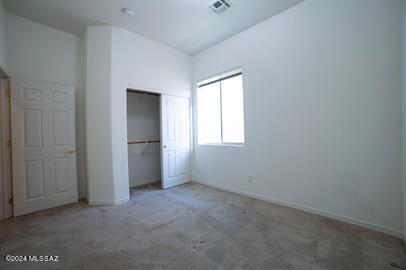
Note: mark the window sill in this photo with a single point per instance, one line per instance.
(222, 144)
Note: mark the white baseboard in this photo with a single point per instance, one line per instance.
(116, 202)
(339, 217)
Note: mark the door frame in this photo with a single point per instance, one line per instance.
(160, 93)
(145, 92)
(6, 183)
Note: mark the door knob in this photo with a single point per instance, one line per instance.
(164, 146)
(69, 152)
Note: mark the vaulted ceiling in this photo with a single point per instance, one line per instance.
(186, 25)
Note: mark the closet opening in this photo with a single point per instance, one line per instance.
(144, 139)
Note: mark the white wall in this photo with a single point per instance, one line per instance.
(98, 116)
(3, 69)
(403, 91)
(148, 65)
(3, 59)
(135, 62)
(143, 64)
(37, 52)
(322, 111)
(3, 21)
(143, 124)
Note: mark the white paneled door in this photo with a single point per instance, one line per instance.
(43, 146)
(175, 137)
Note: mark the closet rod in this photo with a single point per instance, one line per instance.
(146, 141)
(142, 92)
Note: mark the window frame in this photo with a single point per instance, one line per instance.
(218, 79)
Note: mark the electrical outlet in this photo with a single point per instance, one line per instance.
(250, 179)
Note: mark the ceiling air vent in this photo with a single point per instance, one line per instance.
(220, 6)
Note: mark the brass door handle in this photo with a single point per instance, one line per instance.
(69, 152)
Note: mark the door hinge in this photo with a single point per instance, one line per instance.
(10, 201)
(9, 144)
(8, 93)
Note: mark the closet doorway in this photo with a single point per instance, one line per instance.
(158, 134)
(143, 134)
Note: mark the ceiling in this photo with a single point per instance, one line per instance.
(186, 25)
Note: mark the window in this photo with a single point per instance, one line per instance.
(220, 109)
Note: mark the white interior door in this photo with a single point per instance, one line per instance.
(175, 138)
(43, 146)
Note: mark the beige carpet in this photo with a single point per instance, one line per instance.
(194, 227)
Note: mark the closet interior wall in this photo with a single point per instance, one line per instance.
(144, 161)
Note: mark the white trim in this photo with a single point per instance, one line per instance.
(5, 156)
(2, 180)
(116, 202)
(328, 214)
(223, 144)
(219, 75)
(153, 90)
(52, 83)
